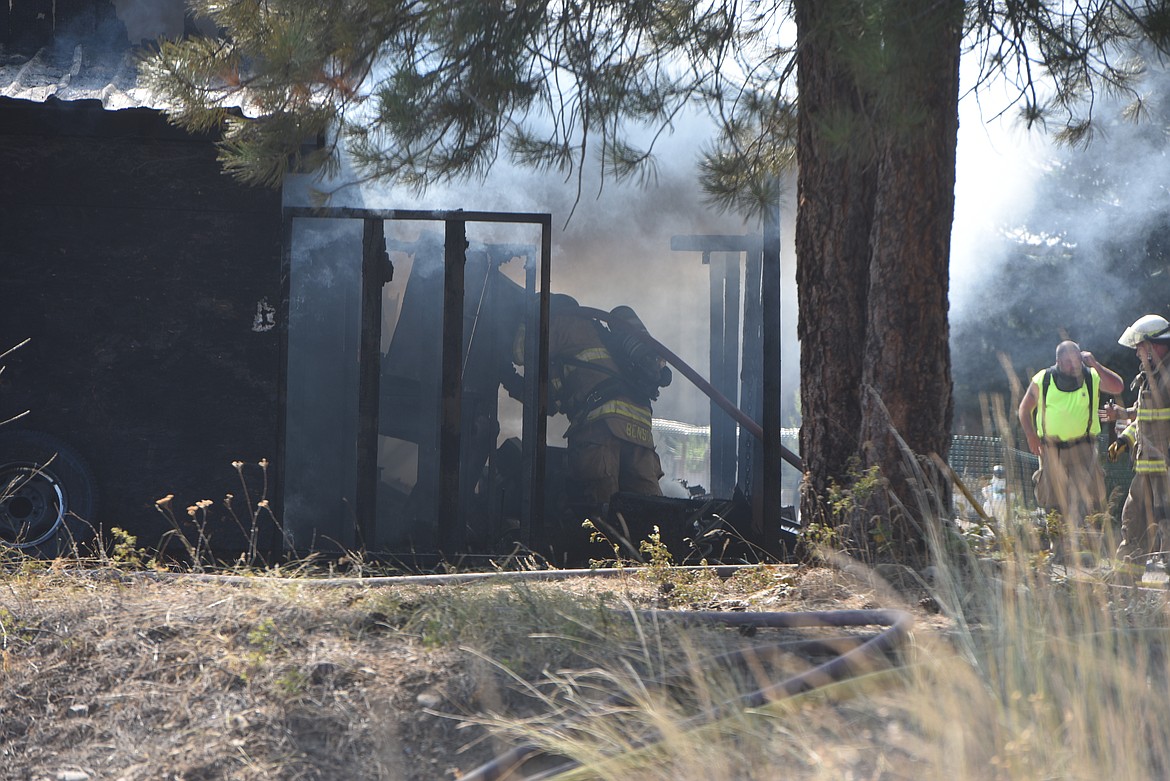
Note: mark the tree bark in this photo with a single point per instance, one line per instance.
(878, 128)
(835, 188)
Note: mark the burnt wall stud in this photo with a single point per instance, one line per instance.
(450, 525)
(376, 272)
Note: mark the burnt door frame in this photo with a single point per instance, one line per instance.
(534, 426)
(757, 388)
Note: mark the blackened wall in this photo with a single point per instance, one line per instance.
(138, 268)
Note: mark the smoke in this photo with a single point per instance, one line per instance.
(1053, 242)
(147, 20)
(1018, 205)
(615, 247)
(997, 162)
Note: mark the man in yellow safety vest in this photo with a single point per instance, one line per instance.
(1059, 417)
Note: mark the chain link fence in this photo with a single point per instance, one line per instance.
(973, 458)
(685, 448)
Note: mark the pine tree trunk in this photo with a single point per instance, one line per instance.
(878, 127)
(835, 191)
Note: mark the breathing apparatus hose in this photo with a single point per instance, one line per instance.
(667, 355)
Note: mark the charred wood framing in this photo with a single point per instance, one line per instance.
(770, 325)
(759, 391)
(450, 524)
(376, 272)
(450, 465)
(724, 357)
(535, 424)
(751, 448)
(721, 253)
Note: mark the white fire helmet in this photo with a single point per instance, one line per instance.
(1152, 327)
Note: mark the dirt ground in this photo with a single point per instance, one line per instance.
(109, 675)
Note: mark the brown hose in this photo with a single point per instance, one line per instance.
(667, 355)
(851, 662)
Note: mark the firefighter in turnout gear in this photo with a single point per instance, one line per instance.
(1146, 511)
(595, 380)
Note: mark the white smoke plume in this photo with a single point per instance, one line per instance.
(1055, 242)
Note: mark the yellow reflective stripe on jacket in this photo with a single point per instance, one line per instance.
(589, 355)
(624, 409)
(1130, 432)
(593, 355)
(1148, 465)
(1155, 413)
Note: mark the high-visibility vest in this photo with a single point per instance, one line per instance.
(1067, 415)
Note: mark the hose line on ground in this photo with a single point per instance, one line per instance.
(721, 570)
(857, 658)
(853, 655)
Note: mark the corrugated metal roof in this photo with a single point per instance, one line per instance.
(79, 72)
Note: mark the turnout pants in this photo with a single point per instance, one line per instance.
(1146, 513)
(601, 464)
(1071, 481)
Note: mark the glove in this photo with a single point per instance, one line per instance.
(1117, 448)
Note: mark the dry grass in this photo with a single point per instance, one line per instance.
(1034, 676)
(118, 675)
(138, 679)
(114, 675)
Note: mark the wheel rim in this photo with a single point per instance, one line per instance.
(32, 505)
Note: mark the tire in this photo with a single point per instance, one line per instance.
(47, 494)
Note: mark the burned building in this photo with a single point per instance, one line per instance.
(184, 329)
(145, 281)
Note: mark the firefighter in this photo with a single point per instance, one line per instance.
(1059, 417)
(610, 439)
(1146, 511)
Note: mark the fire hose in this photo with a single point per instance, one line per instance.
(853, 655)
(711, 392)
(858, 657)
